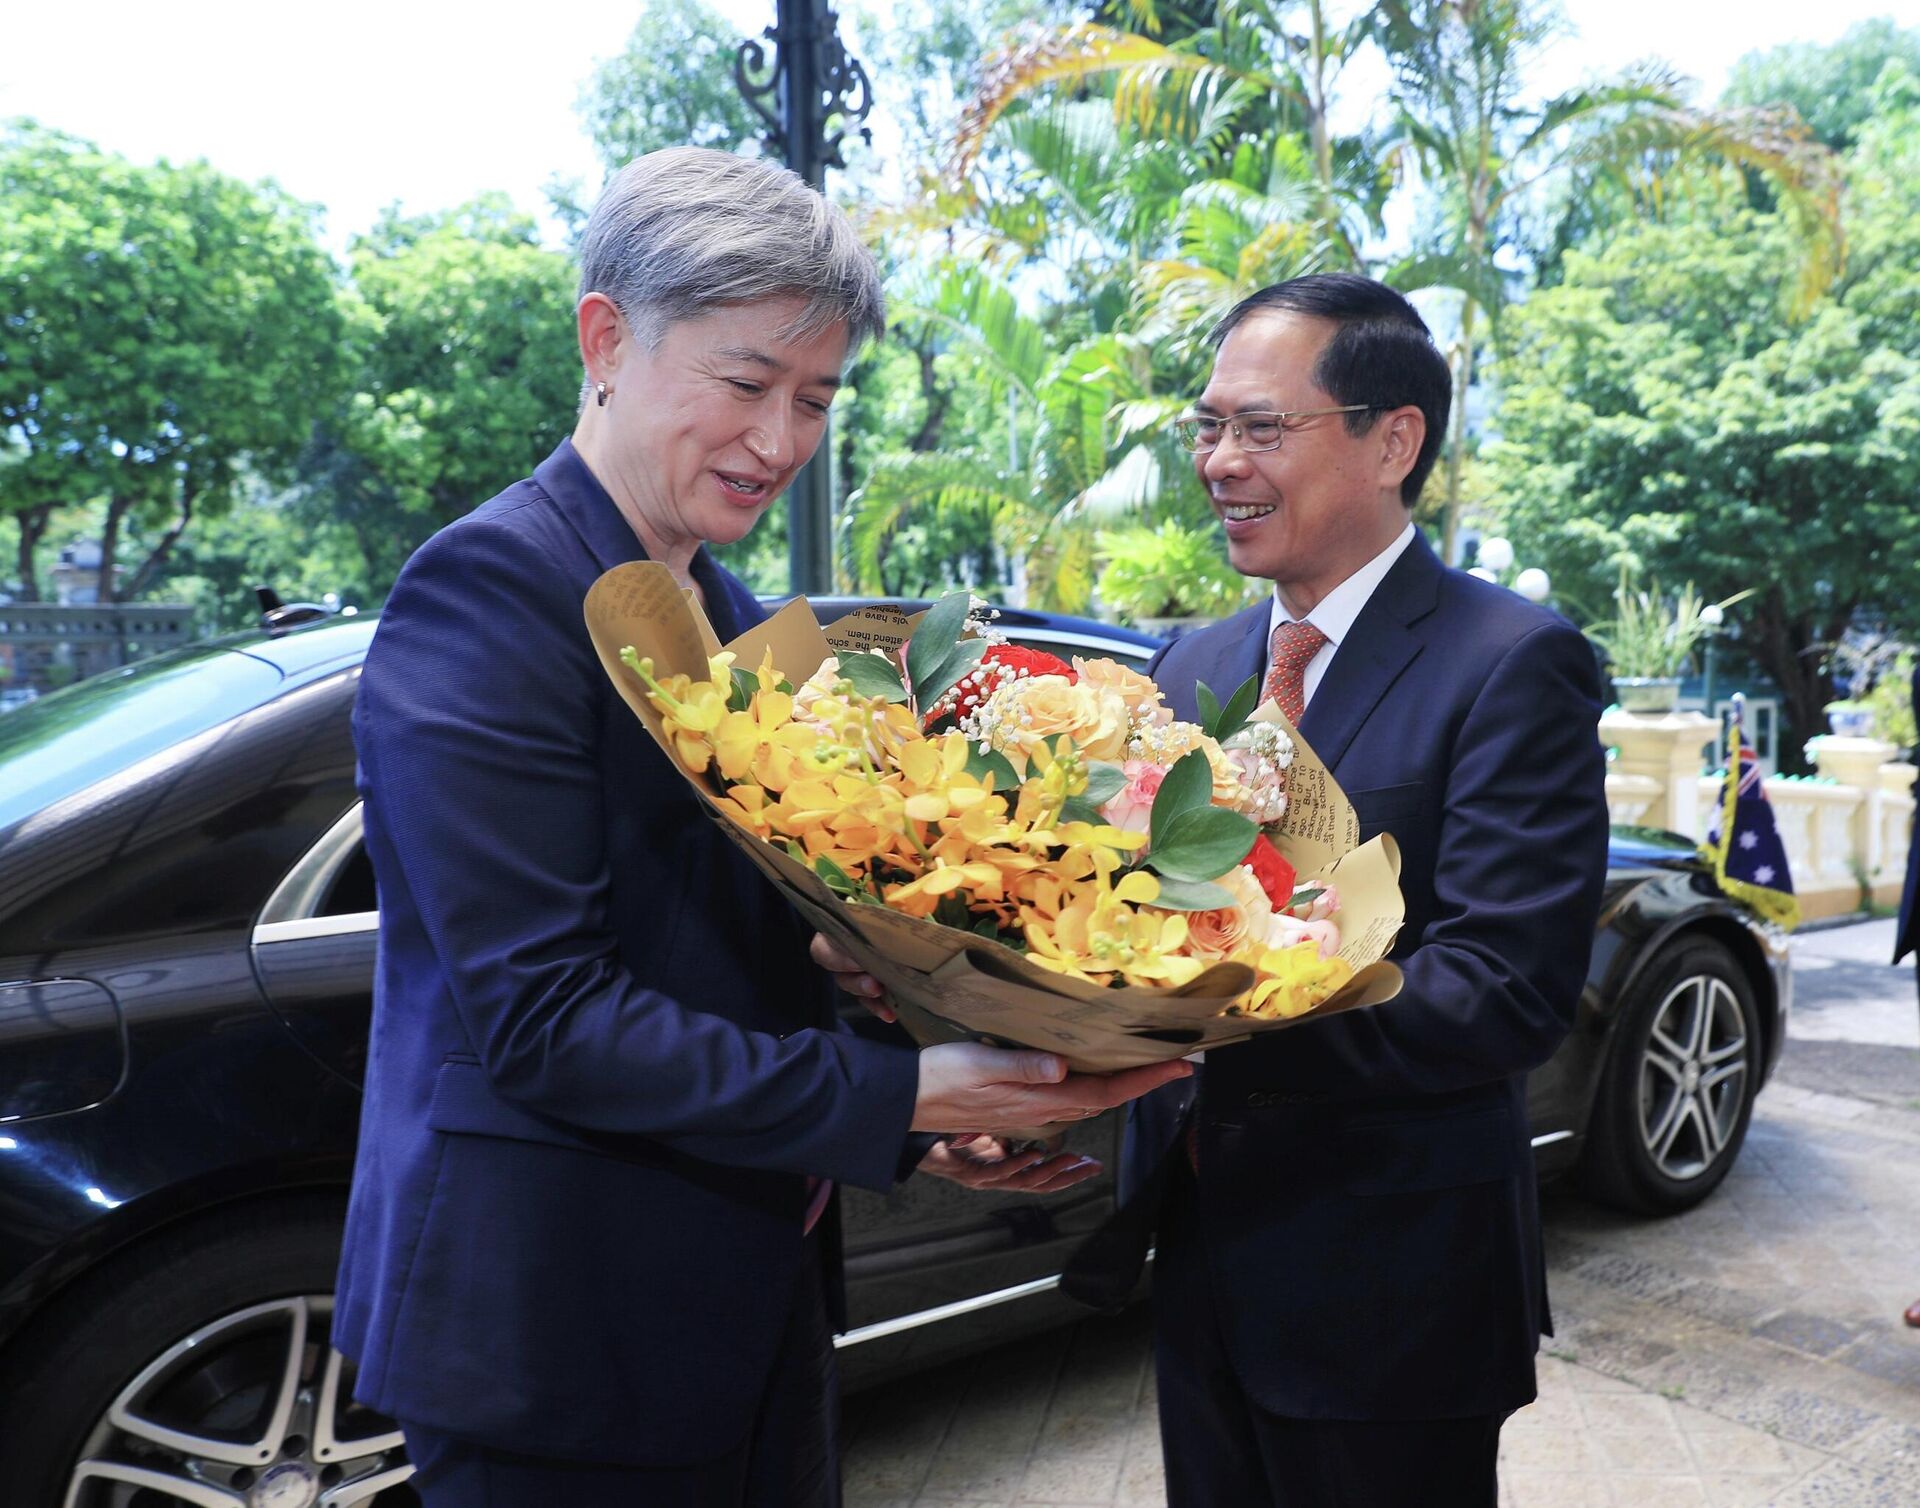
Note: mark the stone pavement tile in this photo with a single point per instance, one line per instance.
(1070, 1476)
(1841, 1484)
(1889, 1355)
(1143, 1475)
(970, 1477)
(1086, 1434)
(1548, 1451)
(1724, 1449)
(1644, 1450)
(1640, 1412)
(1812, 1334)
(1657, 1491)
(1552, 1489)
(883, 1478)
(1894, 1449)
(1561, 1380)
(1555, 1410)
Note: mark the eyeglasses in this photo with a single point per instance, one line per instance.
(1201, 433)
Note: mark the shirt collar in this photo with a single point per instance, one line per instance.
(1333, 615)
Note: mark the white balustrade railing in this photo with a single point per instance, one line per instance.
(1846, 831)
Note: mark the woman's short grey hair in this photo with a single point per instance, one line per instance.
(682, 232)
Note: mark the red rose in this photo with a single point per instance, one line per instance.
(1000, 664)
(1274, 873)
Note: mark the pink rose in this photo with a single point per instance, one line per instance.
(1131, 809)
(1284, 931)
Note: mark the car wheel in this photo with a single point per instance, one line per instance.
(195, 1368)
(1679, 1084)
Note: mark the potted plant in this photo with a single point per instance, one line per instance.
(1849, 718)
(1167, 579)
(1649, 642)
(1891, 701)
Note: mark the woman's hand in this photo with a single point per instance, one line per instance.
(985, 1162)
(968, 1086)
(869, 991)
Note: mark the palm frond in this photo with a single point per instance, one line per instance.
(900, 483)
(1770, 142)
(977, 306)
(1062, 56)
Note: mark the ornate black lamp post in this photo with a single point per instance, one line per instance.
(809, 85)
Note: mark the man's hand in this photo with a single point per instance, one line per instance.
(984, 1162)
(851, 978)
(966, 1086)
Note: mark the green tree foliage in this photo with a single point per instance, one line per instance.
(165, 329)
(1662, 410)
(1830, 88)
(1483, 149)
(672, 86)
(468, 374)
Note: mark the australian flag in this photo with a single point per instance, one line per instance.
(1744, 847)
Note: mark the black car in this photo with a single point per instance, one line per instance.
(187, 934)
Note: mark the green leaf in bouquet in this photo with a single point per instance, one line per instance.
(796, 852)
(1191, 895)
(1239, 710)
(1104, 782)
(1209, 706)
(1188, 787)
(966, 654)
(1079, 809)
(1200, 844)
(934, 640)
(838, 880)
(874, 675)
(1311, 893)
(745, 683)
(951, 911)
(1006, 779)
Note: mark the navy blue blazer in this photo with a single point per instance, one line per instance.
(1368, 1194)
(1906, 934)
(601, 1064)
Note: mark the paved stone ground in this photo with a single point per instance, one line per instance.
(1747, 1353)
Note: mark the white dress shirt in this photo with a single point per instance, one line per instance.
(1334, 614)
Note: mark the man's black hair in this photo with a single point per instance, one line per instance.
(1381, 354)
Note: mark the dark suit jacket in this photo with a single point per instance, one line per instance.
(1367, 1190)
(1906, 935)
(601, 1064)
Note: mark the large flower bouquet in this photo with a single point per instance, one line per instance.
(1020, 848)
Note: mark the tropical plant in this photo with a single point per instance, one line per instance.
(1891, 702)
(1652, 636)
(1172, 571)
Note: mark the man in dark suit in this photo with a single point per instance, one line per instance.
(1906, 933)
(1349, 1287)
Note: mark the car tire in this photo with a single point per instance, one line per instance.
(1682, 1071)
(198, 1355)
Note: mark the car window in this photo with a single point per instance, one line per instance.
(64, 743)
(351, 892)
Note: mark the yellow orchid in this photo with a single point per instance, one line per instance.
(690, 709)
(1293, 980)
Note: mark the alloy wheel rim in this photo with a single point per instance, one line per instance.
(1693, 1078)
(252, 1410)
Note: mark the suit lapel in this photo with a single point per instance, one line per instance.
(1243, 653)
(1380, 646)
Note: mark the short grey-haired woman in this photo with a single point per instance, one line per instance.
(590, 1254)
